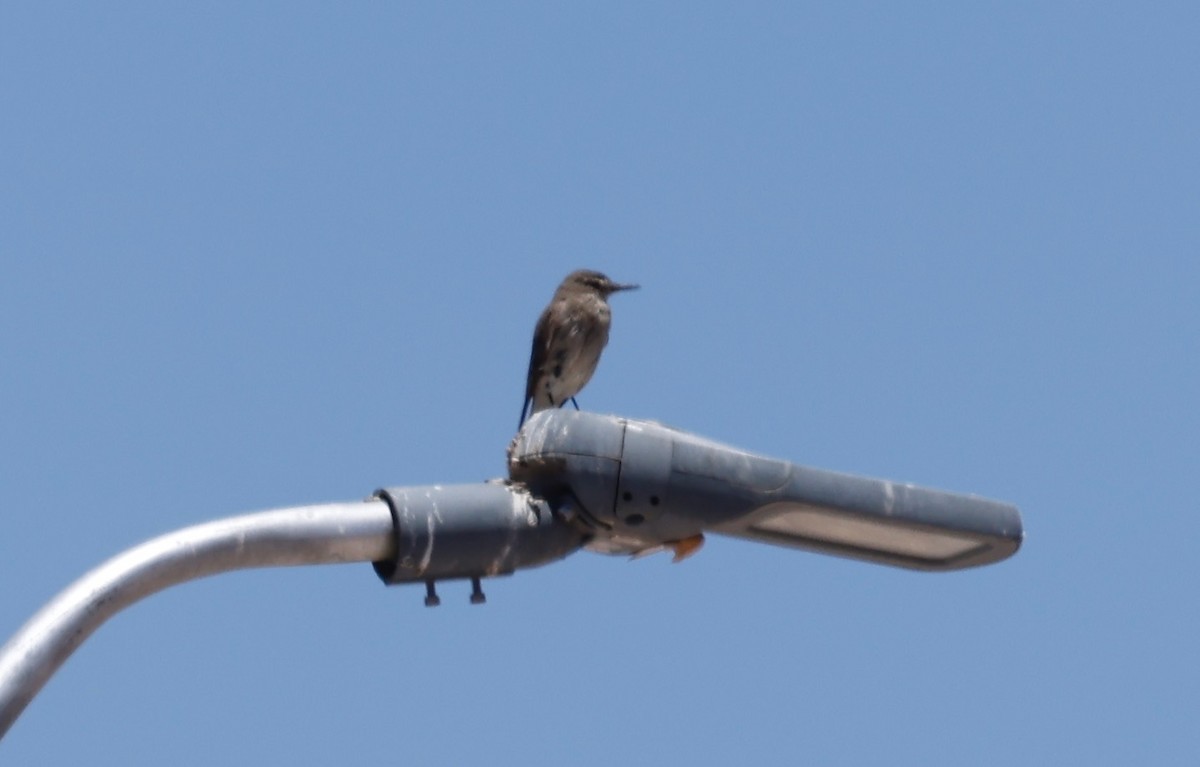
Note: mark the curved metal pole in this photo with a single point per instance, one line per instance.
(303, 535)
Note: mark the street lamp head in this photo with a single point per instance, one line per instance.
(638, 485)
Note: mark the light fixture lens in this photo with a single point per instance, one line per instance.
(798, 524)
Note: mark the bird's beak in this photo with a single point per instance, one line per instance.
(616, 287)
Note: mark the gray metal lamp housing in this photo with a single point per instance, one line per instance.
(619, 485)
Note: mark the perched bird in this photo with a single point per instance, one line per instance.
(567, 341)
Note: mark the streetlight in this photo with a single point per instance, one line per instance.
(576, 480)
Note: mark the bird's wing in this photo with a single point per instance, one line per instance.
(537, 357)
(543, 336)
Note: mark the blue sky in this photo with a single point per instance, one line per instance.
(285, 253)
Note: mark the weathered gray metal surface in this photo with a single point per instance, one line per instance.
(337, 532)
(641, 484)
(471, 531)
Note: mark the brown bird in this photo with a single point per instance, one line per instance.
(568, 340)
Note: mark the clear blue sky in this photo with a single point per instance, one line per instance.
(282, 253)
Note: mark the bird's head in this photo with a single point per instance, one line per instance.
(587, 279)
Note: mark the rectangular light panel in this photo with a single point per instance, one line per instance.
(805, 523)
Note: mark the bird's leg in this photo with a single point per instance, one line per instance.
(573, 402)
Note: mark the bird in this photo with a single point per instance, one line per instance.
(567, 341)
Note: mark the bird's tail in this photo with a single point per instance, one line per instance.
(524, 412)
